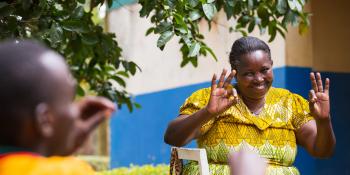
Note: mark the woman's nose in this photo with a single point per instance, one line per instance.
(258, 78)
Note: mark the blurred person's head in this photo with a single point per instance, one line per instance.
(36, 99)
(251, 58)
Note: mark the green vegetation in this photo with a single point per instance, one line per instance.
(70, 28)
(161, 169)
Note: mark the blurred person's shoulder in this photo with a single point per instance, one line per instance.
(30, 164)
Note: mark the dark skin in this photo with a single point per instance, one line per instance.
(254, 78)
(60, 127)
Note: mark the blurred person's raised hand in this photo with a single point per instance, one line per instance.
(246, 162)
(222, 95)
(92, 112)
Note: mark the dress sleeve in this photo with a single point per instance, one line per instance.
(301, 111)
(194, 103)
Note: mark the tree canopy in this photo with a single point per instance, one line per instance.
(94, 55)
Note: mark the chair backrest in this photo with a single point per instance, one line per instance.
(196, 154)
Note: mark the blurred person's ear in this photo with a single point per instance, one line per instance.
(44, 120)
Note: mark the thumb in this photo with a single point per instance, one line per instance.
(92, 122)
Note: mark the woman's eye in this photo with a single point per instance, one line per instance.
(249, 74)
(265, 70)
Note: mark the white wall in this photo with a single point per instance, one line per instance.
(161, 69)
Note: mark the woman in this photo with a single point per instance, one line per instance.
(253, 115)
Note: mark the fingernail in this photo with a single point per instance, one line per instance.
(108, 113)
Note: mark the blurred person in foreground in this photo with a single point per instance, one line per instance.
(40, 124)
(246, 162)
(251, 114)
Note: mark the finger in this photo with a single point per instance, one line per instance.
(97, 102)
(229, 92)
(95, 120)
(222, 78)
(235, 94)
(213, 84)
(313, 82)
(89, 106)
(312, 96)
(326, 86)
(229, 78)
(319, 82)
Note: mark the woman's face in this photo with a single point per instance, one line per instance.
(254, 74)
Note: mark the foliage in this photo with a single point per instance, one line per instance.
(98, 163)
(181, 18)
(67, 27)
(161, 169)
(95, 57)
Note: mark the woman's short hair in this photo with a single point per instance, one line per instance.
(244, 46)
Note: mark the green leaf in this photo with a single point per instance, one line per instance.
(211, 52)
(185, 61)
(250, 4)
(137, 105)
(56, 33)
(6, 10)
(181, 30)
(171, 3)
(162, 27)
(78, 12)
(109, 3)
(149, 31)
(26, 4)
(251, 26)
(75, 26)
(179, 20)
(89, 39)
(129, 105)
(264, 16)
(194, 15)
(119, 80)
(186, 39)
(3, 4)
(303, 28)
(229, 10)
(123, 73)
(272, 30)
(295, 5)
(194, 61)
(194, 49)
(81, 1)
(193, 3)
(210, 1)
(280, 31)
(209, 10)
(164, 38)
(132, 68)
(80, 91)
(282, 6)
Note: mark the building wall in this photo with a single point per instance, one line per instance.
(161, 69)
(163, 86)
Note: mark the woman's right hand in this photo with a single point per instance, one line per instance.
(222, 95)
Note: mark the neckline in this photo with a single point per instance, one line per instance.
(263, 119)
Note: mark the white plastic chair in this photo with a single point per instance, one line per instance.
(196, 154)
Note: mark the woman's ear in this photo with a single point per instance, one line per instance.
(271, 62)
(44, 120)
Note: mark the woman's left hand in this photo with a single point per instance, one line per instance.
(319, 97)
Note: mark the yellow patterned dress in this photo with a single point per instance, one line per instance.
(271, 133)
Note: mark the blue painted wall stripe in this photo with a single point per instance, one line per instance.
(120, 3)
